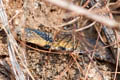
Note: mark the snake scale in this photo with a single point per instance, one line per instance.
(46, 40)
(66, 43)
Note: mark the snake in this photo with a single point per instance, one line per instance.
(64, 42)
(46, 40)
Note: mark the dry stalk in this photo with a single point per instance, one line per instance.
(13, 48)
(82, 11)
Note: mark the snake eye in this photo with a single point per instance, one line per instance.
(47, 46)
(61, 48)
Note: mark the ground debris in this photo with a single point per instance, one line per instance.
(65, 31)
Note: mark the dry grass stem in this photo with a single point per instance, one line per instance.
(86, 27)
(13, 47)
(82, 11)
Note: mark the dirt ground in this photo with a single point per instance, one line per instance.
(41, 15)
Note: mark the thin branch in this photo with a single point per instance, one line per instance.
(82, 11)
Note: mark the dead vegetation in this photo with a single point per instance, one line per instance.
(91, 27)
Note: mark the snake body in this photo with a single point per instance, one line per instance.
(66, 43)
(46, 40)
